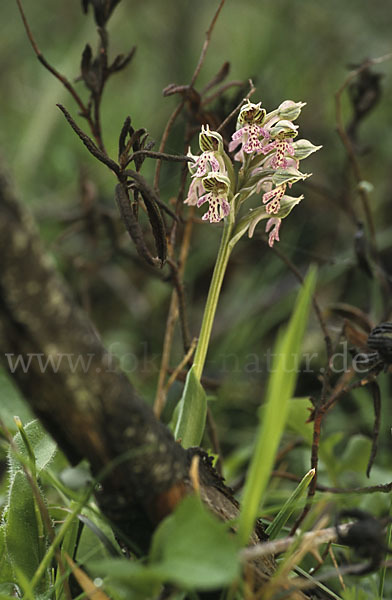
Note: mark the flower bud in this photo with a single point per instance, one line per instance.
(290, 110)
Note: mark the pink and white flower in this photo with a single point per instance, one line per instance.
(217, 188)
(272, 199)
(264, 144)
(282, 148)
(272, 227)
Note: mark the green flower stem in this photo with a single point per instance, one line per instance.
(192, 411)
(212, 299)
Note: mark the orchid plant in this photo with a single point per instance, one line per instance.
(265, 145)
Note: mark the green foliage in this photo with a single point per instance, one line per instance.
(194, 548)
(26, 554)
(299, 410)
(192, 412)
(34, 443)
(190, 549)
(289, 507)
(21, 528)
(97, 538)
(12, 403)
(258, 294)
(354, 593)
(22, 541)
(280, 390)
(355, 456)
(6, 574)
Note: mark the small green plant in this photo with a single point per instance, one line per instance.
(269, 159)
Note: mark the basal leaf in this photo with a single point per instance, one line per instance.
(192, 412)
(194, 549)
(41, 444)
(21, 529)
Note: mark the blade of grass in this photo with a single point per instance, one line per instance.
(384, 568)
(289, 506)
(279, 392)
(318, 584)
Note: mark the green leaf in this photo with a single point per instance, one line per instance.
(97, 539)
(194, 548)
(141, 581)
(41, 444)
(289, 506)
(327, 454)
(6, 574)
(12, 402)
(298, 415)
(280, 390)
(356, 455)
(354, 593)
(192, 412)
(191, 549)
(21, 529)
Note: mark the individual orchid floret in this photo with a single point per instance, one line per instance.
(272, 199)
(204, 163)
(217, 187)
(272, 227)
(282, 134)
(249, 137)
(282, 149)
(249, 130)
(211, 159)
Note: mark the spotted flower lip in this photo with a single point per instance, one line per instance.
(249, 136)
(217, 187)
(272, 227)
(282, 149)
(203, 164)
(272, 199)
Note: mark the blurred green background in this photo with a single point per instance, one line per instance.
(292, 49)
